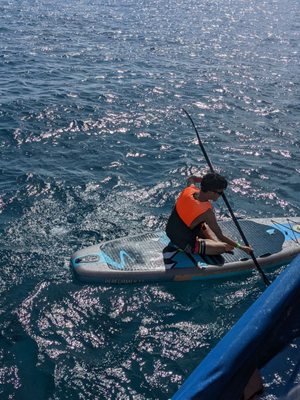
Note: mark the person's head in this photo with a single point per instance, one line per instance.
(213, 182)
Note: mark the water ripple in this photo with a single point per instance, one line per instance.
(94, 146)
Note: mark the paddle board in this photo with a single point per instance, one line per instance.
(150, 257)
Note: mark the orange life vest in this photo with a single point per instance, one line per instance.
(189, 208)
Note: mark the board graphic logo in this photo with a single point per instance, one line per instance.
(117, 265)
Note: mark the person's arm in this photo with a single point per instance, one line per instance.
(210, 218)
(192, 180)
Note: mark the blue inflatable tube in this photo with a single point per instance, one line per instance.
(266, 328)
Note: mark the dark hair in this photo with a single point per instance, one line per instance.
(212, 182)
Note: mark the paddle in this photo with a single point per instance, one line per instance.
(258, 267)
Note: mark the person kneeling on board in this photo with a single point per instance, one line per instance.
(192, 225)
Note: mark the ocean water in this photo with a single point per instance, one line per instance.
(94, 146)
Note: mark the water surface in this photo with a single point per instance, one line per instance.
(94, 146)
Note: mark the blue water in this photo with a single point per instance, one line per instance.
(94, 146)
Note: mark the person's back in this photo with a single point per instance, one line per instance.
(186, 209)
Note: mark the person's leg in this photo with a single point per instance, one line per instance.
(207, 233)
(209, 247)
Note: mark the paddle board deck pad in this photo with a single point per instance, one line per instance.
(150, 257)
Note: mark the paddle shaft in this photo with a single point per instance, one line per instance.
(258, 267)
